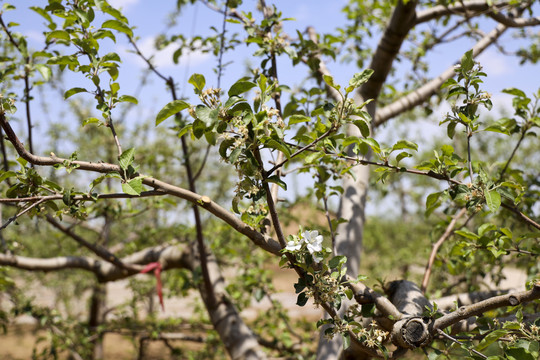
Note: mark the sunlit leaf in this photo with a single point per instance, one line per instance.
(171, 109)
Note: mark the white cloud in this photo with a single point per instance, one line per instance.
(35, 36)
(494, 63)
(164, 57)
(124, 4)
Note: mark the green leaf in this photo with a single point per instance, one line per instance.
(90, 120)
(118, 26)
(198, 81)
(490, 339)
(467, 62)
(273, 144)
(44, 70)
(493, 200)
(451, 130)
(402, 155)
(7, 174)
(133, 186)
(498, 128)
(360, 78)
(57, 34)
(515, 92)
(297, 118)
(207, 115)
(337, 261)
(277, 180)
(63, 60)
(171, 109)
(519, 354)
(69, 93)
(405, 144)
(111, 57)
(467, 234)
(373, 144)
(363, 127)
(240, 87)
(329, 80)
(432, 202)
(128, 98)
(126, 158)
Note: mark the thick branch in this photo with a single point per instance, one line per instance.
(171, 257)
(401, 22)
(476, 8)
(365, 295)
(462, 7)
(465, 312)
(97, 249)
(424, 92)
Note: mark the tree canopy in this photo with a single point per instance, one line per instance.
(271, 169)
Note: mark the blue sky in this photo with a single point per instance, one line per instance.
(150, 19)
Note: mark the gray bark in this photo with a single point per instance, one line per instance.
(353, 201)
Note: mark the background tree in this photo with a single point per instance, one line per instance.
(256, 132)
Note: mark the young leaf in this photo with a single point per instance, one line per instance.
(330, 82)
(44, 70)
(171, 109)
(90, 120)
(493, 200)
(118, 26)
(126, 158)
(363, 127)
(467, 62)
(198, 81)
(128, 98)
(273, 144)
(405, 144)
(57, 34)
(73, 91)
(296, 119)
(360, 78)
(133, 186)
(241, 87)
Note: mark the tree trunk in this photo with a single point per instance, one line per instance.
(95, 318)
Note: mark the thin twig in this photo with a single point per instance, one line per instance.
(222, 45)
(24, 211)
(97, 249)
(442, 333)
(299, 151)
(27, 86)
(447, 233)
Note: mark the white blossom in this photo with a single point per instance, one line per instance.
(313, 241)
(293, 245)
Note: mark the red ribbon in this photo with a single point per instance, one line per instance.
(156, 266)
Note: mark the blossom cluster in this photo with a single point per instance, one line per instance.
(310, 240)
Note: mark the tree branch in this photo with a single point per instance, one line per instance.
(465, 312)
(169, 256)
(461, 7)
(97, 249)
(449, 231)
(424, 92)
(401, 22)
